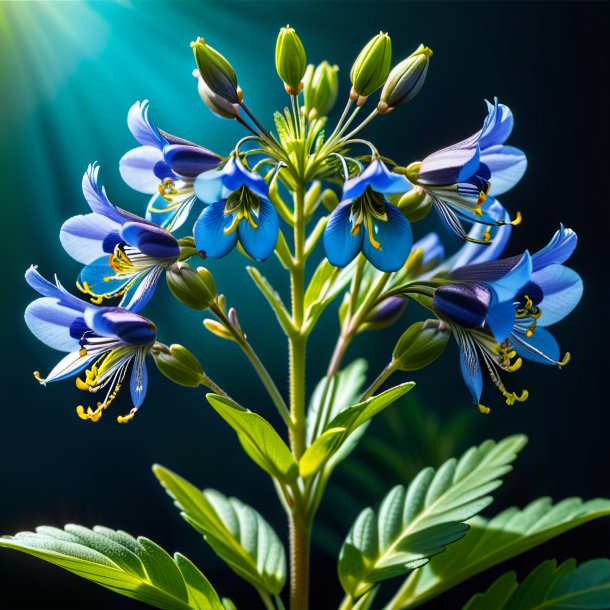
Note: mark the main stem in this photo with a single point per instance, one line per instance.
(299, 526)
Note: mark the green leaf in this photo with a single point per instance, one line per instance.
(236, 532)
(327, 282)
(343, 425)
(566, 587)
(273, 298)
(283, 130)
(492, 541)
(258, 438)
(414, 524)
(136, 568)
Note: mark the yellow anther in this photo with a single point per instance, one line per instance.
(487, 235)
(123, 419)
(82, 385)
(483, 409)
(82, 352)
(517, 220)
(167, 188)
(370, 230)
(511, 397)
(477, 211)
(564, 360)
(39, 378)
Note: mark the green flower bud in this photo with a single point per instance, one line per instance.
(195, 289)
(421, 344)
(217, 72)
(371, 68)
(178, 365)
(321, 87)
(218, 105)
(290, 60)
(405, 80)
(329, 199)
(415, 204)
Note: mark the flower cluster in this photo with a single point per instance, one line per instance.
(497, 309)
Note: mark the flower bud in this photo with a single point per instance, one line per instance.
(371, 68)
(290, 60)
(405, 80)
(421, 344)
(218, 105)
(217, 72)
(329, 199)
(195, 289)
(178, 365)
(321, 87)
(385, 313)
(415, 204)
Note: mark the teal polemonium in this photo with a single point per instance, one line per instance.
(124, 255)
(239, 210)
(365, 221)
(104, 342)
(163, 165)
(464, 178)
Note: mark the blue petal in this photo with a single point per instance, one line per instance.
(70, 365)
(452, 164)
(541, 347)
(209, 231)
(138, 384)
(99, 277)
(137, 167)
(340, 245)
(379, 178)
(50, 323)
(214, 185)
(127, 326)
(501, 319)
(562, 289)
(470, 366)
(142, 128)
(558, 250)
(55, 291)
(189, 161)
(259, 243)
(96, 195)
(141, 291)
(465, 304)
(394, 237)
(170, 214)
(506, 287)
(151, 240)
(497, 126)
(507, 165)
(83, 237)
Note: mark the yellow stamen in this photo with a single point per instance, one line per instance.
(487, 235)
(370, 230)
(511, 397)
(483, 409)
(39, 378)
(94, 415)
(167, 188)
(123, 419)
(564, 360)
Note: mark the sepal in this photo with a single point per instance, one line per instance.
(178, 364)
(421, 344)
(195, 289)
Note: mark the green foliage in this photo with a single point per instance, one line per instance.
(492, 541)
(258, 438)
(236, 532)
(273, 298)
(414, 524)
(136, 568)
(566, 587)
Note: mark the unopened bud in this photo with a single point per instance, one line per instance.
(415, 204)
(385, 313)
(421, 344)
(371, 68)
(195, 289)
(329, 199)
(321, 87)
(178, 365)
(218, 105)
(217, 72)
(405, 80)
(290, 60)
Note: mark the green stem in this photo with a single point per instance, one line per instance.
(266, 599)
(259, 367)
(381, 378)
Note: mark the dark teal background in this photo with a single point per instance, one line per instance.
(69, 72)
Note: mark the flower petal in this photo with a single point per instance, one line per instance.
(506, 287)
(50, 323)
(96, 195)
(82, 237)
(150, 240)
(340, 245)
(558, 250)
(141, 291)
(142, 128)
(395, 238)
(189, 161)
(450, 165)
(507, 165)
(70, 365)
(470, 366)
(171, 215)
(55, 291)
(501, 320)
(562, 290)
(259, 243)
(541, 347)
(497, 126)
(379, 178)
(138, 383)
(127, 326)
(209, 231)
(100, 278)
(138, 167)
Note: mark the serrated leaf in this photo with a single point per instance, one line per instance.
(258, 438)
(344, 424)
(237, 533)
(492, 541)
(414, 524)
(137, 568)
(566, 587)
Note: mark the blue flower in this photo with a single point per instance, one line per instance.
(124, 254)
(365, 221)
(464, 179)
(164, 165)
(239, 210)
(499, 310)
(104, 342)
